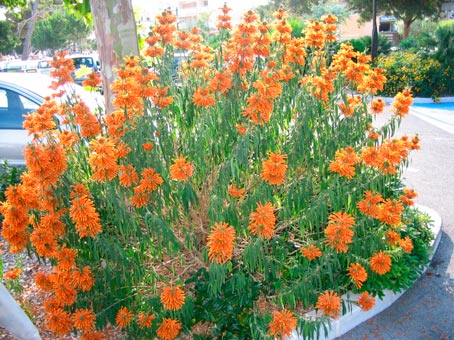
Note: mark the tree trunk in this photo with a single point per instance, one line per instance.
(116, 37)
(407, 24)
(30, 28)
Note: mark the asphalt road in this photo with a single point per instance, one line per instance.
(425, 311)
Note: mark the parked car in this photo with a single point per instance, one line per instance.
(84, 64)
(20, 94)
(44, 66)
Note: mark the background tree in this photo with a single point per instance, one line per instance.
(8, 40)
(60, 30)
(12, 3)
(406, 10)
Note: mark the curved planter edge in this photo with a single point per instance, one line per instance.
(355, 316)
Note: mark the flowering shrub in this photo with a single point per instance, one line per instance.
(224, 198)
(426, 76)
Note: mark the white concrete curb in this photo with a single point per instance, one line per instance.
(355, 315)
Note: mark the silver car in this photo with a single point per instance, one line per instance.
(20, 94)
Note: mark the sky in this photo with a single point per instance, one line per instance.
(153, 7)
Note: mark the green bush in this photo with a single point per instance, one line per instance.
(426, 77)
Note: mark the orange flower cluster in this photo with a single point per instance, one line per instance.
(311, 252)
(282, 324)
(408, 196)
(236, 192)
(366, 301)
(169, 329)
(144, 320)
(338, 232)
(149, 182)
(377, 105)
(389, 155)
(402, 102)
(344, 162)
(357, 273)
(221, 243)
(203, 97)
(260, 104)
(330, 303)
(172, 298)
(88, 122)
(62, 69)
(274, 169)
(372, 82)
(181, 170)
(83, 213)
(12, 273)
(103, 159)
(224, 20)
(167, 26)
(262, 221)
(380, 263)
(45, 162)
(370, 205)
(348, 108)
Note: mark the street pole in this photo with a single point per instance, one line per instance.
(374, 31)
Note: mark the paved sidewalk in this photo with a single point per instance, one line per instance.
(425, 311)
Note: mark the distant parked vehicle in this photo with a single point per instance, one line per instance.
(44, 66)
(20, 94)
(21, 66)
(84, 64)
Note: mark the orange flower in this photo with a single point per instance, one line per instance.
(84, 319)
(344, 162)
(13, 273)
(144, 320)
(169, 329)
(402, 102)
(392, 237)
(148, 146)
(123, 318)
(380, 263)
(235, 192)
(338, 231)
(150, 181)
(85, 216)
(202, 97)
(377, 105)
(242, 129)
(406, 244)
(127, 175)
(311, 252)
(330, 303)
(366, 301)
(282, 324)
(262, 221)
(221, 242)
(274, 169)
(172, 298)
(357, 273)
(58, 321)
(390, 212)
(407, 197)
(370, 204)
(181, 170)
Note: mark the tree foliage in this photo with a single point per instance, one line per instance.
(8, 40)
(406, 10)
(59, 30)
(12, 3)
